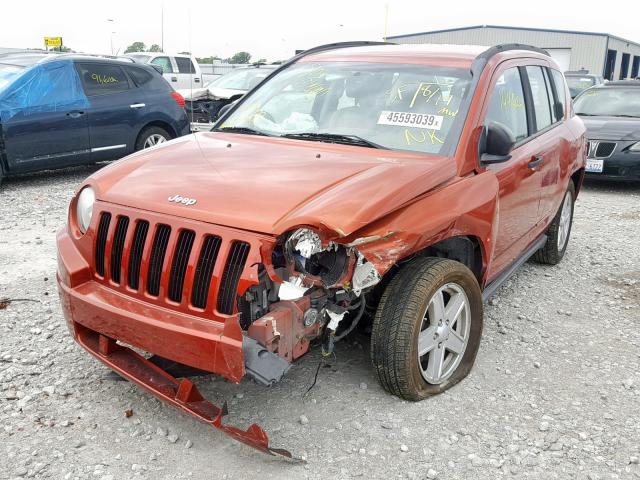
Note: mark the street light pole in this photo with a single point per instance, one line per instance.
(112, 32)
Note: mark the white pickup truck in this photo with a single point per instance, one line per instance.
(181, 71)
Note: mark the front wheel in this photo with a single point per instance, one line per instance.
(427, 328)
(152, 136)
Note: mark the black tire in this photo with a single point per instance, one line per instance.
(552, 253)
(147, 132)
(399, 319)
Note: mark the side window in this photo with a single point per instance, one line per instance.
(139, 75)
(101, 79)
(185, 65)
(561, 89)
(540, 97)
(507, 106)
(46, 88)
(165, 63)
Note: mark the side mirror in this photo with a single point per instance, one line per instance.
(496, 143)
(558, 110)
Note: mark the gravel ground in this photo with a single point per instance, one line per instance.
(555, 392)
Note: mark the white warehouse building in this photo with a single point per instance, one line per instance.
(602, 54)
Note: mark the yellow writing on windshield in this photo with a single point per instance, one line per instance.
(422, 137)
(103, 79)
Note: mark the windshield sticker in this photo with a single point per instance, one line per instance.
(422, 137)
(409, 119)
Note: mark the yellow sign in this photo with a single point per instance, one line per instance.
(52, 41)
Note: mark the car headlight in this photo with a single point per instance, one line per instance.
(84, 208)
(635, 147)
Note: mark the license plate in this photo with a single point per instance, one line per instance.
(594, 165)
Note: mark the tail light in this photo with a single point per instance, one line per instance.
(178, 98)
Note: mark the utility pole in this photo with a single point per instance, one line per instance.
(112, 32)
(386, 20)
(162, 28)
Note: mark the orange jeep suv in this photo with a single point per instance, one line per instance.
(359, 182)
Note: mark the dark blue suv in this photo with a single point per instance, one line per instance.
(63, 110)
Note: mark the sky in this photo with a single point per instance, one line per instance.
(275, 29)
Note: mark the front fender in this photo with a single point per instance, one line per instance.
(466, 207)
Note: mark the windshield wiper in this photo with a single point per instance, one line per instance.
(246, 130)
(334, 138)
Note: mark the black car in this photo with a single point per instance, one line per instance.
(611, 113)
(62, 110)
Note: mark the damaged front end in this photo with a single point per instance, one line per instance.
(203, 107)
(228, 302)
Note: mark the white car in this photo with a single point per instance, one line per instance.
(181, 71)
(203, 104)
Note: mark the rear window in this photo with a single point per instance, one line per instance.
(139, 75)
(163, 62)
(101, 79)
(185, 65)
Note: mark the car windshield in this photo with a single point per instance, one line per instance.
(609, 101)
(578, 84)
(243, 79)
(8, 73)
(394, 106)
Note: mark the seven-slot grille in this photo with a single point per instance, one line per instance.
(131, 244)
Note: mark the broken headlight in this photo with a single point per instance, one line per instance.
(304, 249)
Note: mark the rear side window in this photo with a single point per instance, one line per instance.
(561, 91)
(540, 97)
(507, 106)
(139, 75)
(185, 65)
(165, 63)
(101, 79)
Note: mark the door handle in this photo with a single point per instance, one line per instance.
(196, 79)
(137, 105)
(536, 161)
(75, 114)
(174, 79)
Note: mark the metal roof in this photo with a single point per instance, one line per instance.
(506, 27)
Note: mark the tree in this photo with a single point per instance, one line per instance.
(155, 48)
(240, 57)
(136, 47)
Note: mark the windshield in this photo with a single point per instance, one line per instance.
(244, 79)
(578, 84)
(609, 101)
(395, 106)
(8, 73)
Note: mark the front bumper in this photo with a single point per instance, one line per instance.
(102, 319)
(620, 166)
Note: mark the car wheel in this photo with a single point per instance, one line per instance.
(427, 328)
(559, 231)
(152, 136)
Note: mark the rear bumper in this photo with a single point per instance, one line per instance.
(212, 345)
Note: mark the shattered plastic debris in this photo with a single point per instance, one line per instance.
(292, 290)
(334, 319)
(306, 242)
(365, 275)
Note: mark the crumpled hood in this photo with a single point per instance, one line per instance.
(612, 128)
(210, 93)
(270, 185)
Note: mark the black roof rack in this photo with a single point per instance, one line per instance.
(482, 59)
